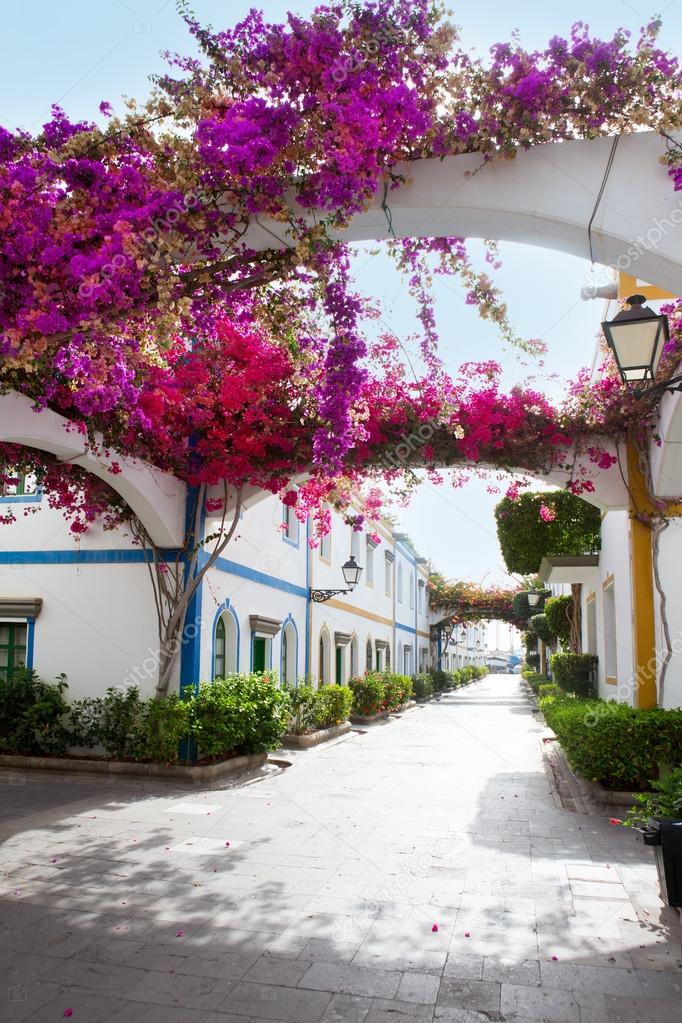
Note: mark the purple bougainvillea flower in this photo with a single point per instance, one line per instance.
(434, 928)
(179, 934)
(67, 1012)
(467, 934)
(555, 959)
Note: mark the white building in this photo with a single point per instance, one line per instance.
(85, 607)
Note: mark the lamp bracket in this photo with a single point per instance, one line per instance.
(664, 387)
(320, 596)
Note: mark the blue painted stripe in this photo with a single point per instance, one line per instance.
(406, 628)
(223, 565)
(30, 641)
(81, 557)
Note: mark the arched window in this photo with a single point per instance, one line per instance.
(353, 657)
(369, 655)
(226, 645)
(388, 657)
(219, 650)
(289, 654)
(323, 664)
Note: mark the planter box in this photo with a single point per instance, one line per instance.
(315, 738)
(173, 772)
(405, 706)
(666, 838)
(369, 719)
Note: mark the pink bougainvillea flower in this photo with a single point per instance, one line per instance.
(615, 821)
(179, 934)
(434, 928)
(547, 514)
(227, 843)
(555, 959)
(467, 934)
(67, 1012)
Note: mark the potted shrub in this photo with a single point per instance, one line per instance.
(657, 816)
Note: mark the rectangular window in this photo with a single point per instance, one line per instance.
(420, 596)
(16, 484)
(12, 648)
(355, 545)
(369, 576)
(591, 609)
(411, 591)
(326, 547)
(611, 662)
(388, 570)
(291, 524)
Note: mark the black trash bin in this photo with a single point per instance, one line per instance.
(665, 835)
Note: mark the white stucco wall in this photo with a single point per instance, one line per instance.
(670, 558)
(613, 569)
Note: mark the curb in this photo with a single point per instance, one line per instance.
(172, 772)
(315, 738)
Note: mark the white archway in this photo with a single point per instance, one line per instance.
(157, 498)
(544, 197)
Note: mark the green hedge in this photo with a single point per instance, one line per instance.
(612, 743)
(238, 714)
(332, 705)
(575, 673)
(422, 686)
(368, 693)
(33, 714)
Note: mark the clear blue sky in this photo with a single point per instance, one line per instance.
(77, 53)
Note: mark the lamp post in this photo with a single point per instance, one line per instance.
(637, 336)
(533, 598)
(351, 574)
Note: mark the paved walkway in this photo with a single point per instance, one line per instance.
(418, 871)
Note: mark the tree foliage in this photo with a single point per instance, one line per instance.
(558, 611)
(538, 525)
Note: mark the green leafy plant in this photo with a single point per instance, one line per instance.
(368, 693)
(526, 536)
(167, 722)
(558, 611)
(239, 714)
(540, 626)
(395, 687)
(665, 801)
(422, 686)
(549, 689)
(33, 713)
(575, 673)
(612, 743)
(332, 705)
(303, 703)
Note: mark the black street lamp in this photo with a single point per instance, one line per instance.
(637, 336)
(351, 574)
(533, 597)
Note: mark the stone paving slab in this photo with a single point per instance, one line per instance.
(422, 871)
